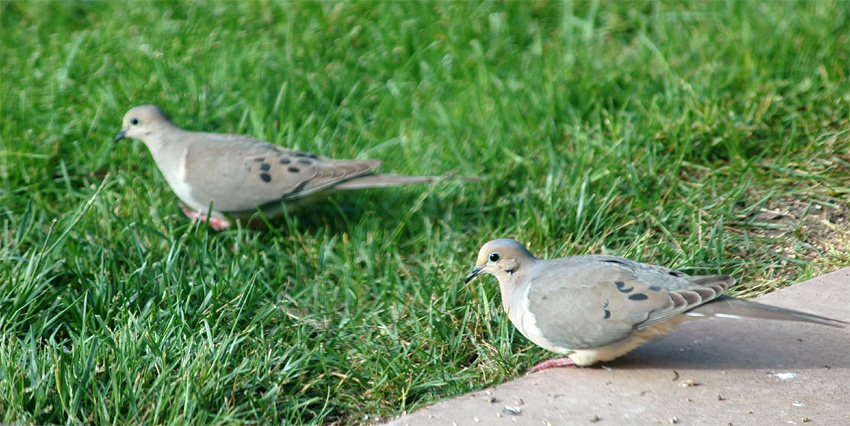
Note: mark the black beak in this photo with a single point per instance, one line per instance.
(474, 273)
(120, 135)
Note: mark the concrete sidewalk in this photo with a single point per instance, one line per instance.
(707, 372)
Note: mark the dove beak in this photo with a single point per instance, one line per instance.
(475, 272)
(120, 135)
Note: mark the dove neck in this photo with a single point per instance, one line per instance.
(164, 140)
(165, 146)
(512, 283)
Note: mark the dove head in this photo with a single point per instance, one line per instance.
(501, 258)
(142, 121)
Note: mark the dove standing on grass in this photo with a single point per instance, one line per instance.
(239, 174)
(597, 307)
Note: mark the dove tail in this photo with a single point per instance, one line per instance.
(382, 180)
(738, 308)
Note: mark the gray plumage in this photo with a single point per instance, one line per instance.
(239, 174)
(599, 307)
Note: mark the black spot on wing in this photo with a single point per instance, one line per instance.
(265, 167)
(655, 288)
(638, 296)
(260, 160)
(293, 169)
(622, 287)
(607, 313)
(285, 161)
(265, 177)
(305, 161)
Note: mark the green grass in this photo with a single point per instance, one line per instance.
(666, 132)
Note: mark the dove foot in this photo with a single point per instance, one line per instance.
(215, 223)
(553, 363)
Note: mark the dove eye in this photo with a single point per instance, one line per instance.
(494, 257)
(134, 121)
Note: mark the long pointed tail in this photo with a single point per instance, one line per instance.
(388, 179)
(738, 308)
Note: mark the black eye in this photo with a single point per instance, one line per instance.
(494, 257)
(134, 121)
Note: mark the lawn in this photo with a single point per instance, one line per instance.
(706, 136)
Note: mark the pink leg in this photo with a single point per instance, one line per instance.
(215, 223)
(553, 363)
(219, 224)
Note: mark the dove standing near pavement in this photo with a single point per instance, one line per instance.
(598, 307)
(239, 174)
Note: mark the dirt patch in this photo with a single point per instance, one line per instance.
(808, 230)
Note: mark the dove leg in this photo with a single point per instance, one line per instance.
(553, 363)
(215, 223)
(218, 224)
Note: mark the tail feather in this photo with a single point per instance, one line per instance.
(731, 307)
(383, 180)
(389, 179)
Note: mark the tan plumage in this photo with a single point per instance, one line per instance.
(239, 174)
(598, 307)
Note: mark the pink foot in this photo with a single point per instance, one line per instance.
(553, 363)
(216, 223)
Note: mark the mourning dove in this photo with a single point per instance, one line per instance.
(598, 307)
(238, 174)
